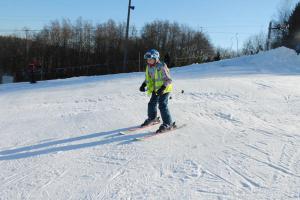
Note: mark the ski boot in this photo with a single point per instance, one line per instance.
(149, 122)
(165, 127)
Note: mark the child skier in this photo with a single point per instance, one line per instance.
(159, 86)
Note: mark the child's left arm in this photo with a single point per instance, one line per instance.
(166, 75)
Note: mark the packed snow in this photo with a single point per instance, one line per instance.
(60, 138)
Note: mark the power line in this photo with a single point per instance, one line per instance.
(37, 30)
(20, 30)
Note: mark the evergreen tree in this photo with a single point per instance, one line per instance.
(292, 38)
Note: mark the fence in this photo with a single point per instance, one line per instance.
(46, 73)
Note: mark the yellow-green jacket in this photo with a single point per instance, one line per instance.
(157, 76)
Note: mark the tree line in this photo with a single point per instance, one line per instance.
(66, 49)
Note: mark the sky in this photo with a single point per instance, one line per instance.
(228, 23)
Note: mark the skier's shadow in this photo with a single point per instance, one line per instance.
(46, 147)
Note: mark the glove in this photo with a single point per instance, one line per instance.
(161, 90)
(142, 88)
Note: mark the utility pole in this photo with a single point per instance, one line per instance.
(269, 36)
(27, 44)
(281, 27)
(237, 44)
(126, 38)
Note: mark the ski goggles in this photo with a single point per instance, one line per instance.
(149, 56)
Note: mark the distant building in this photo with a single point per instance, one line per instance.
(7, 79)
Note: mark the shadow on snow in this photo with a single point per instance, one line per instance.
(47, 147)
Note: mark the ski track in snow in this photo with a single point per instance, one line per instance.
(242, 140)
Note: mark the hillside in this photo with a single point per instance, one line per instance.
(60, 139)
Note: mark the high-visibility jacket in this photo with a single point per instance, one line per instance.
(157, 76)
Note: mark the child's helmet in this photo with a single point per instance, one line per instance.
(152, 53)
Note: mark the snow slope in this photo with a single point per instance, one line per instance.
(59, 139)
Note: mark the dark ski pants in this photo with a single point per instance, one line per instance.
(162, 102)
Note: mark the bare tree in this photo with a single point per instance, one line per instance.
(255, 44)
(67, 49)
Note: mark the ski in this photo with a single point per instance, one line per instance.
(137, 128)
(153, 133)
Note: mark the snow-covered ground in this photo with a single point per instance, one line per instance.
(59, 139)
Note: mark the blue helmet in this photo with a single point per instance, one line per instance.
(152, 53)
